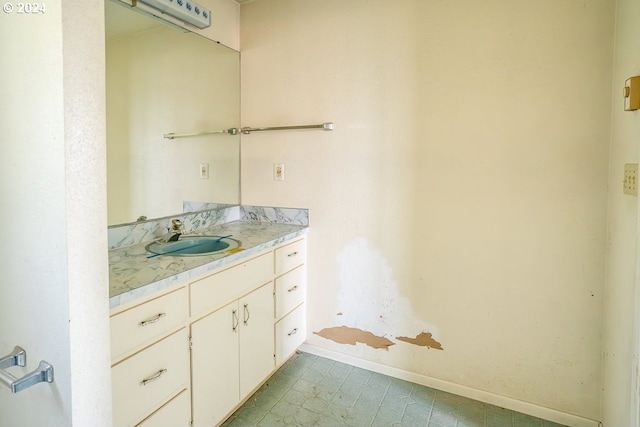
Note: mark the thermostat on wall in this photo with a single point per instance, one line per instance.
(631, 93)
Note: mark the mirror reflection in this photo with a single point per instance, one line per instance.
(163, 80)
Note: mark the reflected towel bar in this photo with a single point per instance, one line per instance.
(230, 131)
(248, 130)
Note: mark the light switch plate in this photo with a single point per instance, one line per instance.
(631, 94)
(204, 170)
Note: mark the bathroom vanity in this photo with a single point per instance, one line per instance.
(193, 344)
(191, 336)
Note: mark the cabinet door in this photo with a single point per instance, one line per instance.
(214, 365)
(256, 338)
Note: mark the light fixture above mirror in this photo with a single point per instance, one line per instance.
(184, 10)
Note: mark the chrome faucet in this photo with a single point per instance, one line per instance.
(173, 233)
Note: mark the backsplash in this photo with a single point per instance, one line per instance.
(200, 216)
(277, 215)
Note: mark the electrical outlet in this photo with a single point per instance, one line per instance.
(278, 171)
(204, 170)
(630, 183)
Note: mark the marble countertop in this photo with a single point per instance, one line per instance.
(133, 275)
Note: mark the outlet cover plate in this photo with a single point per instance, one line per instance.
(278, 171)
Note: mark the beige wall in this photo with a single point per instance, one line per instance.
(620, 350)
(463, 192)
(225, 22)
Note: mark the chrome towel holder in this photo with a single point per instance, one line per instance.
(247, 130)
(18, 357)
(231, 131)
(322, 126)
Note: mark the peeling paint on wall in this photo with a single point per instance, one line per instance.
(424, 339)
(347, 335)
(369, 297)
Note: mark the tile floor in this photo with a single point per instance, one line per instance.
(313, 391)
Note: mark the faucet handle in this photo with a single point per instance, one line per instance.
(176, 226)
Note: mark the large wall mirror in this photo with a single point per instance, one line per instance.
(161, 80)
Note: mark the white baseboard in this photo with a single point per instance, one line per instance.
(480, 395)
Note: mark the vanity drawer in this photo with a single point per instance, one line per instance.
(176, 413)
(290, 333)
(148, 379)
(143, 323)
(291, 290)
(290, 256)
(221, 288)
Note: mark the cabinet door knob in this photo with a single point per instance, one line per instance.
(293, 254)
(293, 332)
(293, 289)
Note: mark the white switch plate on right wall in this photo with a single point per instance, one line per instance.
(630, 182)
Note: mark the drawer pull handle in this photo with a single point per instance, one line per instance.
(153, 319)
(153, 377)
(295, 331)
(247, 315)
(234, 320)
(293, 289)
(293, 254)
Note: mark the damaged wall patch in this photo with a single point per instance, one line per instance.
(347, 335)
(424, 339)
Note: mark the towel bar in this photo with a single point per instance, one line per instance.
(18, 357)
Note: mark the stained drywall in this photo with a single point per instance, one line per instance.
(470, 153)
(370, 294)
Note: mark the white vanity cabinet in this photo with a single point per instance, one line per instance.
(232, 353)
(191, 354)
(256, 338)
(232, 346)
(215, 362)
(150, 357)
(290, 293)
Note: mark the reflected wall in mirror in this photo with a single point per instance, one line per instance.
(160, 80)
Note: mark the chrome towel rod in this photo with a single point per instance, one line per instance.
(231, 131)
(323, 126)
(248, 130)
